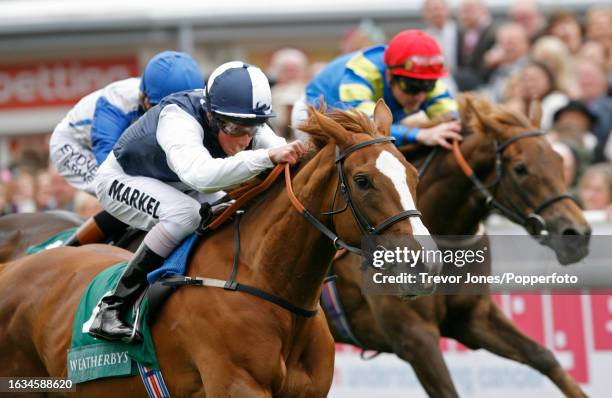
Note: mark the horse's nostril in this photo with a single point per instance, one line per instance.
(570, 231)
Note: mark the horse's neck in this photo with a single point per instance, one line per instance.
(448, 200)
(285, 255)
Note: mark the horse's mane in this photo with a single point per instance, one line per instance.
(470, 102)
(350, 120)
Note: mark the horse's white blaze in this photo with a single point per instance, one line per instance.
(393, 169)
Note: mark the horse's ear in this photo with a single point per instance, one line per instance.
(486, 123)
(535, 113)
(323, 127)
(383, 118)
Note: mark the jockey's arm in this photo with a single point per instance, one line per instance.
(108, 123)
(438, 105)
(181, 138)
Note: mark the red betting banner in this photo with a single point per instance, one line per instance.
(62, 82)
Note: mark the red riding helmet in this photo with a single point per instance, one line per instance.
(414, 53)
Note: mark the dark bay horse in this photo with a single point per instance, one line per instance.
(212, 342)
(451, 206)
(19, 231)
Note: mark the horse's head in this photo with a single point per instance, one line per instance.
(525, 176)
(375, 182)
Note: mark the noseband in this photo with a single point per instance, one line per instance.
(532, 222)
(365, 226)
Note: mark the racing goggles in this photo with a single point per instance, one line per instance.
(414, 86)
(231, 127)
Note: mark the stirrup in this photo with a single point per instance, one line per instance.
(136, 336)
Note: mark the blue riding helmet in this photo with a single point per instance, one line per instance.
(170, 72)
(240, 92)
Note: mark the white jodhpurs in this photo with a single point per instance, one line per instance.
(144, 202)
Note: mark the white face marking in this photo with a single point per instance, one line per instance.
(393, 169)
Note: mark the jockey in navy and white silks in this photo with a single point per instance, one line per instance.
(83, 139)
(187, 149)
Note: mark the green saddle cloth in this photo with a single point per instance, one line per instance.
(90, 358)
(55, 241)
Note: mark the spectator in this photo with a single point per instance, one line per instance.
(594, 87)
(365, 35)
(599, 28)
(507, 57)
(527, 14)
(573, 124)
(538, 84)
(24, 196)
(596, 188)
(441, 26)
(565, 26)
(63, 192)
(599, 25)
(45, 199)
(288, 69)
(476, 37)
(86, 205)
(6, 200)
(551, 51)
(595, 52)
(601, 54)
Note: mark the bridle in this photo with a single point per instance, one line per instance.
(364, 225)
(532, 222)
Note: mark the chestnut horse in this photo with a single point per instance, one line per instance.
(451, 206)
(213, 342)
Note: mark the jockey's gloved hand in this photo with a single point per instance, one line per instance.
(289, 153)
(442, 134)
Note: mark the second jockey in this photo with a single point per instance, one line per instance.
(83, 139)
(406, 74)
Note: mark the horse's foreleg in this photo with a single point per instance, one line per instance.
(416, 341)
(490, 329)
(420, 347)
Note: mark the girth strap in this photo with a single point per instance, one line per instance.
(239, 287)
(231, 283)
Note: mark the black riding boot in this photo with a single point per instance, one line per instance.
(108, 323)
(96, 229)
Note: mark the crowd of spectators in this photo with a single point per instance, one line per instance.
(32, 184)
(560, 58)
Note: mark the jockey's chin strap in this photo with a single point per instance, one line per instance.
(533, 222)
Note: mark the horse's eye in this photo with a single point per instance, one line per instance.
(521, 170)
(363, 182)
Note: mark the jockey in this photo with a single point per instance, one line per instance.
(83, 139)
(184, 151)
(406, 74)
